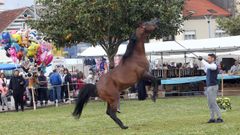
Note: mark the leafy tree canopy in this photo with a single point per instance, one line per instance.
(230, 25)
(105, 22)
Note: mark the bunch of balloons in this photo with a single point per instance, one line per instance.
(26, 47)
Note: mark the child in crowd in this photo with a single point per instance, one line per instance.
(4, 91)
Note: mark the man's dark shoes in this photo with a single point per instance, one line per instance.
(211, 121)
(219, 120)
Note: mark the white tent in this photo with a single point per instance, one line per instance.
(98, 51)
(93, 51)
(224, 44)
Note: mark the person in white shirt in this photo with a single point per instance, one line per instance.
(211, 69)
(235, 68)
(90, 78)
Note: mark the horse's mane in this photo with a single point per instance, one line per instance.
(130, 47)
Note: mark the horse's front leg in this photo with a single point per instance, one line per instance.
(154, 80)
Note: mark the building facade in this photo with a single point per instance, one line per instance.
(1, 5)
(202, 22)
(15, 19)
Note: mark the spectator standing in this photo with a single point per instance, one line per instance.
(17, 84)
(3, 91)
(235, 68)
(80, 83)
(42, 90)
(61, 73)
(90, 78)
(56, 82)
(67, 79)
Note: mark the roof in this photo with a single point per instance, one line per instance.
(203, 7)
(224, 44)
(7, 17)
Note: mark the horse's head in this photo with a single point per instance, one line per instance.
(146, 28)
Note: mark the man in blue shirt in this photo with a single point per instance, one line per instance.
(56, 82)
(211, 69)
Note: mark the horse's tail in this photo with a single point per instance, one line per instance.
(85, 93)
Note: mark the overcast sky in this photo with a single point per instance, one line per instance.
(11, 4)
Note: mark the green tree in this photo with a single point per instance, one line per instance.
(107, 23)
(230, 25)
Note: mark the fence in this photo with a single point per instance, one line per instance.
(173, 73)
(49, 87)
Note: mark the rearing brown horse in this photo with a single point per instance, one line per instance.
(133, 67)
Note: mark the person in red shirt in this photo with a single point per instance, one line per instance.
(80, 82)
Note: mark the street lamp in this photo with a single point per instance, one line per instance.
(35, 10)
(208, 17)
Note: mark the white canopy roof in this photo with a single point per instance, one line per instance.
(98, 51)
(224, 44)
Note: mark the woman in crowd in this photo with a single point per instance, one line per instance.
(67, 79)
(17, 84)
(3, 91)
(43, 88)
(79, 83)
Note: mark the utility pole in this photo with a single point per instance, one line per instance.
(35, 11)
(209, 19)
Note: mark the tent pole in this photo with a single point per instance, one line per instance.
(150, 57)
(162, 63)
(222, 84)
(185, 57)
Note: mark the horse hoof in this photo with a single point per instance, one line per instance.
(124, 127)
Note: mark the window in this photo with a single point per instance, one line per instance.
(220, 33)
(169, 38)
(189, 34)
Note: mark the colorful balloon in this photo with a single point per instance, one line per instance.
(13, 32)
(17, 38)
(49, 59)
(19, 55)
(43, 56)
(6, 36)
(12, 52)
(31, 59)
(32, 49)
(38, 62)
(22, 46)
(16, 46)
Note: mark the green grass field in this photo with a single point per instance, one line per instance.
(174, 116)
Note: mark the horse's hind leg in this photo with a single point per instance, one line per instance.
(111, 111)
(154, 80)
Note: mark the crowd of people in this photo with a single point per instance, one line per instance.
(173, 69)
(55, 88)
